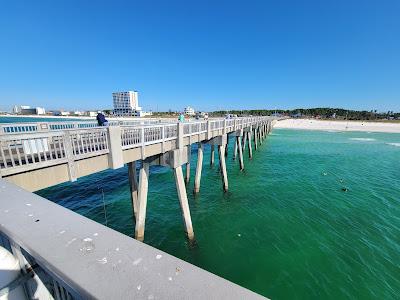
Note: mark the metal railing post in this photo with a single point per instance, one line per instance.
(180, 136)
(115, 157)
(69, 154)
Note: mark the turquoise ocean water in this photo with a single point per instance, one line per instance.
(315, 215)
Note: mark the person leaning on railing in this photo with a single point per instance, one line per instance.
(101, 119)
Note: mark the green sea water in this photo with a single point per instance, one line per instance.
(315, 215)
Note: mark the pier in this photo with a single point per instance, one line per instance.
(37, 156)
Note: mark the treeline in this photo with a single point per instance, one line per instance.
(323, 113)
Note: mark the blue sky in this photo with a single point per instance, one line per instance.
(208, 54)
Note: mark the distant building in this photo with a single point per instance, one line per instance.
(27, 110)
(126, 104)
(91, 113)
(40, 111)
(189, 111)
(61, 113)
(78, 113)
(142, 113)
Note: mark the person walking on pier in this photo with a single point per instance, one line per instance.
(101, 119)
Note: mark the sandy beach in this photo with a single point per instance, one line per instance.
(312, 124)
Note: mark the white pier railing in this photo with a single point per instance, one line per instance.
(12, 128)
(26, 150)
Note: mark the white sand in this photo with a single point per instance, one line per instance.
(312, 124)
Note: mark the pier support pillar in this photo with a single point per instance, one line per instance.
(227, 145)
(249, 143)
(244, 141)
(133, 184)
(235, 149)
(198, 168)
(222, 164)
(181, 189)
(142, 200)
(239, 143)
(220, 142)
(256, 138)
(212, 155)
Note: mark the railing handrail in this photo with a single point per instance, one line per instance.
(44, 148)
(91, 261)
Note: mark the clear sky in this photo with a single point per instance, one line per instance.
(207, 54)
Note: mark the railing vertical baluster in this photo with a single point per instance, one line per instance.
(18, 154)
(44, 147)
(10, 153)
(38, 150)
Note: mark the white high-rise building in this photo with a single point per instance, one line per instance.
(126, 104)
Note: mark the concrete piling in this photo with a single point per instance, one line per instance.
(235, 149)
(227, 145)
(133, 184)
(198, 168)
(255, 138)
(239, 143)
(222, 164)
(244, 141)
(249, 144)
(142, 200)
(187, 176)
(183, 200)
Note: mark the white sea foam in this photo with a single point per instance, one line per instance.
(393, 144)
(362, 139)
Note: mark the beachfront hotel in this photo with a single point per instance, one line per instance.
(126, 104)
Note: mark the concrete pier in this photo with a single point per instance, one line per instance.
(198, 168)
(36, 160)
(183, 200)
(142, 200)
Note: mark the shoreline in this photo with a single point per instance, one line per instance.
(325, 125)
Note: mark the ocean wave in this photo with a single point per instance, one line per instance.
(393, 144)
(362, 139)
